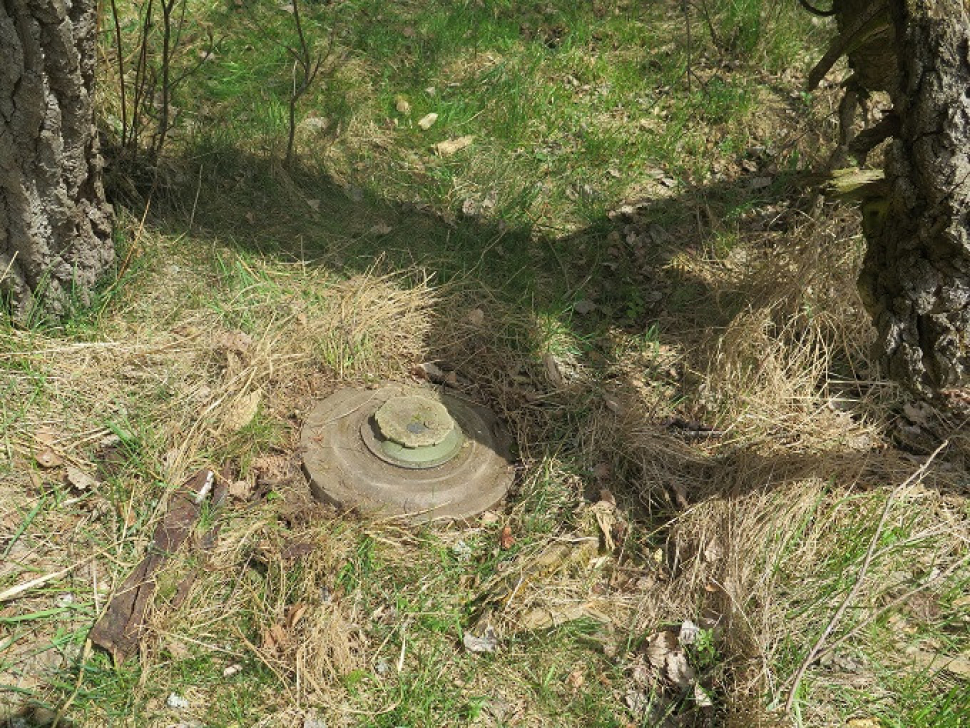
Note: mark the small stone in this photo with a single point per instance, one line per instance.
(176, 702)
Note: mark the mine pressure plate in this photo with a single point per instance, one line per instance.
(406, 450)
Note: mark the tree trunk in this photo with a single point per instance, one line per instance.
(916, 275)
(54, 222)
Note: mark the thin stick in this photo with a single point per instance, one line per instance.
(685, 5)
(16, 591)
(195, 202)
(121, 75)
(898, 600)
(812, 653)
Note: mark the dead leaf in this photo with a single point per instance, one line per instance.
(48, 459)
(314, 205)
(701, 697)
(506, 539)
(863, 723)
(546, 617)
(402, 105)
(274, 638)
(427, 121)
(476, 317)
(958, 665)
(584, 307)
(242, 411)
(489, 518)
(430, 371)
(381, 228)
(238, 342)
(678, 670)
(659, 646)
(295, 613)
(488, 642)
(452, 146)
(553, 373)
(78, 479)
(605, 514)
(231, 670)
(241, 489)
(575, 680)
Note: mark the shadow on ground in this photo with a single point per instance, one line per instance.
(554, 356)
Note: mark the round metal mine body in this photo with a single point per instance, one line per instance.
(405, 450)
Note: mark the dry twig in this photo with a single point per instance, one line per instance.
(850, 597)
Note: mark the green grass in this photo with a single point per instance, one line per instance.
(362, 260)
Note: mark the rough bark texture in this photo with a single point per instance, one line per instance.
(916, 274)
(54, 221)
(870, 42)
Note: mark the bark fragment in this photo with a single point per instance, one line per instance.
(120, 629)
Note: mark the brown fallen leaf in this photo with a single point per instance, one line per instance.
(575, 680)
(506, 539)
(958, 665)
(546, 617)
(427, 121)
(678, 670)
(488, 642)
(476, 317)
(452, 146)
(274, 638)
(48, 459)
(553, 373)
(78, 479)
(430, 371)
(241, 489)
(294, 613)
(242, 411)
(605, 513)
(659, 646)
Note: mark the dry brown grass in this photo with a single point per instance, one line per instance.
(758, 524)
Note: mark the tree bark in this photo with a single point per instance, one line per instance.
(916, 274)
(55, 231)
